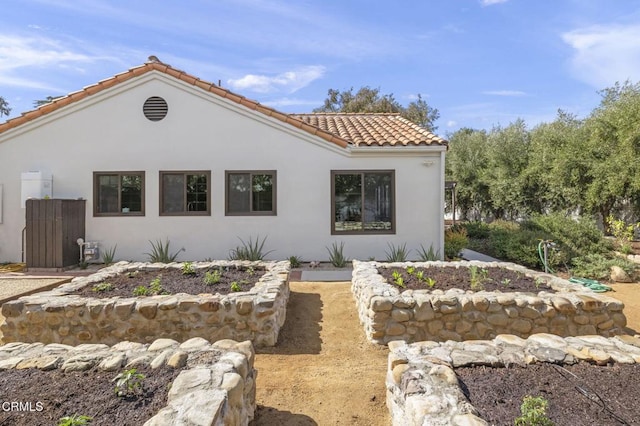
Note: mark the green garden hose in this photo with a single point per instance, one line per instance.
(594, 285)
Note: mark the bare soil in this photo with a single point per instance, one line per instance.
(448, 277)
(47, 396)
(174, 281)
(323, 370)
(580, 394)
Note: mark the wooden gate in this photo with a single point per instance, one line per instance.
(53, 228)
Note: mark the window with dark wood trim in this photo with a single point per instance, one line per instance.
(118, 193)
(250, 193)
(363, 202)
(185, 193)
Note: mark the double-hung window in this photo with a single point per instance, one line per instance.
(251, 193)
(363, 202)
(118, 193)
(185, 193)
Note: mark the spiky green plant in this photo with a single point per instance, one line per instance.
(336, 255)
(250, 250)
(109, 254)
(428, 255)
(295, 261)
(397, 254)
(160, 252)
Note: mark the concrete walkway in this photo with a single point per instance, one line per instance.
(467, 254)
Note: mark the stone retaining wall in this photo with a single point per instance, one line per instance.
(422, 387)
(57, 316)
(219, 391)
(416, 315)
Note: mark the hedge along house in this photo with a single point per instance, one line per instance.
(157, 153)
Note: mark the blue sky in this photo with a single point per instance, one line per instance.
(482, 63)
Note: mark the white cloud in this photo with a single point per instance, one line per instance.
(286, 102)
(504, 93)
(605, 54)
(451, 123)
(492, 2)
(289, 81)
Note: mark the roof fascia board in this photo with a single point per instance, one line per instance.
(396, 151)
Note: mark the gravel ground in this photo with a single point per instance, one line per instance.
(13, 287)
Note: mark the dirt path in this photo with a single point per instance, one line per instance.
(630, 295)
(323, 371)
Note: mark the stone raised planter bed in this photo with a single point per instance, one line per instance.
(216, 384)
(58, 316)
(422, 386)
(388, 313)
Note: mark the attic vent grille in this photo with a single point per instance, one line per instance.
(155, 108)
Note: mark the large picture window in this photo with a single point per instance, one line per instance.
(185, 193)
(362, 202)
(118, 193)
(251, 192)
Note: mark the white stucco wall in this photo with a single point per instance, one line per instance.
(108, 132)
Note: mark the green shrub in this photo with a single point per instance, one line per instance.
(455, 239)
(598, 267)
(477, 230)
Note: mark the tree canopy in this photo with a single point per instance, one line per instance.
(568, 165)
(368, 100)
(4, 107)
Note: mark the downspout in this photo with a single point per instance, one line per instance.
(442, 195)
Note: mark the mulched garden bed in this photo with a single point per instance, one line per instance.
(448, 277)
(90, 393)
(497, 393)
(173, 280)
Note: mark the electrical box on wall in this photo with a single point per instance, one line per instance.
(37, 185)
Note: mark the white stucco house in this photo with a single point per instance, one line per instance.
(158, 153)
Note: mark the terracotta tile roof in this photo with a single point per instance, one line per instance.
(340, 129)
(373, 129)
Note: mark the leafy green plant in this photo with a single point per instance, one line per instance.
(102, 287)
(397, 279)
(235, 287)
(411, 270)
(160, 252)
(251, 271)
(295, 261)
(155, 286)
(622, 232)
(533, 412)
(397, 254)
(429, 255)
(505, 282)
(109, 254)
(250, 250)
(74, 420)
(141, 291)
(212, 278)
(188, 269)
(129, 383)
(539, 282)
(598, 267)
(418, 274)
(336, 255)
(430, 282)
(477, 277)
(455, 239)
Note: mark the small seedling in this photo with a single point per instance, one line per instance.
(505, 282)
(141, 291)
(534, 412)
(235, 287)
(212, 278)
(155, 286)
(102, 287)
(129, 383)
(539, 282)
(397, 279)
(251, 271)
(74, 420)
(132, 274)
(188, 269)
(476, 277)
(419, 275)
(430, 282)
(411, 270)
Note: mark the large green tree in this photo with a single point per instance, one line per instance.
(4, 107)
(369, 100)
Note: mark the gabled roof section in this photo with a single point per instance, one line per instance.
(371, 129)
(341, 129)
